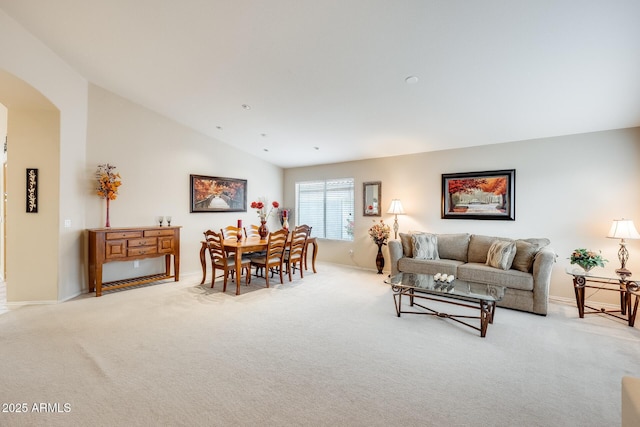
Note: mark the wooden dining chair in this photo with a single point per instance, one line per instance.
(252, 231)
(220, 260)
(231, 232)
(295, 253)
(272, 261)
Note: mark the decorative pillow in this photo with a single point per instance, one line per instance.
(407, 244)
(479, 246)
(525, 252)
(425, 246)
(501, 254)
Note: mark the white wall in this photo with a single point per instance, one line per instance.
(568, 189)
(155, 157)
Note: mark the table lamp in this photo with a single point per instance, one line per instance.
(623, 229)
(396, 209)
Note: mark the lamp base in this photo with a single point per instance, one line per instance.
(623, 273)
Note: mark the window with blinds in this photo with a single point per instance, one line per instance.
(327, 206)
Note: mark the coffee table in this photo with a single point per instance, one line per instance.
(461, 293)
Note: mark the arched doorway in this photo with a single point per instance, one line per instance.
(32, 140)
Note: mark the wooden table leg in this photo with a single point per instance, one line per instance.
(486, 316)
(238, 274)
(99, 280)
(203, 262)
(633, 310)
(313, 258)
(623, 300)
(579, 290)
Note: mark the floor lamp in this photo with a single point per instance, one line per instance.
(623, 229)
(395, 208)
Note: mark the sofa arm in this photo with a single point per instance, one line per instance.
(542, 268)
(395, 253)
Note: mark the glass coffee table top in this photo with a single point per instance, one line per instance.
(458, 289)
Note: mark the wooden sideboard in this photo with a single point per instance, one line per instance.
(130, 244)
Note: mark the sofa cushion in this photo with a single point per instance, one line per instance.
(479, 247)
(413, 265)
(525, 252)
(514, 279)
(453, 246)
(539, 242)
(501, 254)
(425, 246)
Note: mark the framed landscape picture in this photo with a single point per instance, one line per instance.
(216, 194)
(479, 195)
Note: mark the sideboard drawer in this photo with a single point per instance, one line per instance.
(123, 235)
(144, 250)
(156, 233)
(149, 241)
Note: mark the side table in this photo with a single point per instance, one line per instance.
(603, 281)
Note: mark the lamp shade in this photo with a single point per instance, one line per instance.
(395, 207)
(623, 229)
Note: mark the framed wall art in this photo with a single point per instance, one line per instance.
(216, 194)
(479, 195)
(32, 190)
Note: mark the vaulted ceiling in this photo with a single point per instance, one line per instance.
(303, 82)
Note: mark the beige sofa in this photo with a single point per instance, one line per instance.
(523, 266)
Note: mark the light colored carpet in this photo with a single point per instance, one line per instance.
(323, 351)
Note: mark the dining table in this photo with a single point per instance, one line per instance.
(248, 245)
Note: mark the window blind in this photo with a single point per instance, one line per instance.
(326, 206)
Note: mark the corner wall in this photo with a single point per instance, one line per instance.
(28, 59)
(568, 189)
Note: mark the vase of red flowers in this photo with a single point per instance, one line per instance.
(261, 208)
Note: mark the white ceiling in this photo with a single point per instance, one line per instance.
(331, 73)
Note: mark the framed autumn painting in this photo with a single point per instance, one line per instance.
(216, 194)
(479, 195)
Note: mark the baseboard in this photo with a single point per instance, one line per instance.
(23, 303)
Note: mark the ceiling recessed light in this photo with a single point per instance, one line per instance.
(219, 127)
(265, 149)
(264, 135)
(316, 148)
(411, 80)
(246, 107)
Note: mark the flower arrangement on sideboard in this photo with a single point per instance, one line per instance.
(108, 183)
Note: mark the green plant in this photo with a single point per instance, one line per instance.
(587, 259)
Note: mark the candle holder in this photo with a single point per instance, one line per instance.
(160, 220)
(168, 218)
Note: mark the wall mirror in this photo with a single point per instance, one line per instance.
(372, 192)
